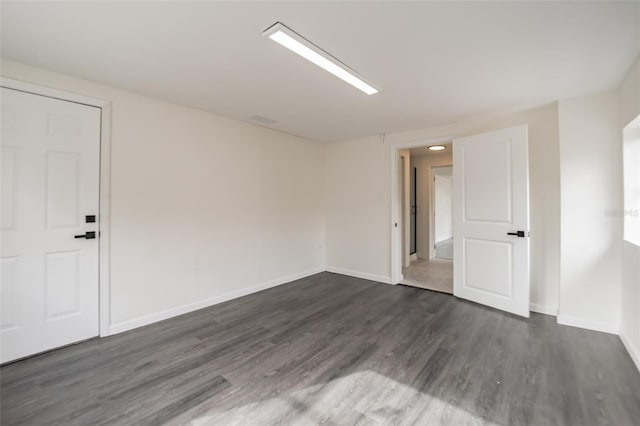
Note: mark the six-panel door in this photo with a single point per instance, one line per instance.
(50, 182)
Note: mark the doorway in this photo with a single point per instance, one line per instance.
(423, 269)
(490, 217)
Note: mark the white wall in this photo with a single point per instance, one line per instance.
(358, 208)
(357, 197)
(443, 200)
(629, 107)
(202, 207)
(591, 197)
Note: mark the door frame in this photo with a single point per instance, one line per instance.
(395, 228)
(104, 218)
(413, 179)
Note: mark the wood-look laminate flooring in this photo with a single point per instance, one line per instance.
(335, 350)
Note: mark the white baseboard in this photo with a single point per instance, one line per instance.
(413, 257)
(358, 274)
(180, 310)
(634, 352)
(543, 309)
(587, 324)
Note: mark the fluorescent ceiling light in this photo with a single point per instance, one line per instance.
(303, 47)
(437, 147)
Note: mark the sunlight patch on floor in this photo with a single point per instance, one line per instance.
(322, 403)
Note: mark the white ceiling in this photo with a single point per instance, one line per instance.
(435, 63)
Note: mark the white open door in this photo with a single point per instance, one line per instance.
(491, 219)
(48, 223)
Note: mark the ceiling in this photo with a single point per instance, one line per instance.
(435, 62)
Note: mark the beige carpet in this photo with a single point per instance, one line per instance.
(433, 274)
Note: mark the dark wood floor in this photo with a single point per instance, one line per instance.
(334, 350)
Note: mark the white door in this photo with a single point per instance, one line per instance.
(491, 219)
(50, 177)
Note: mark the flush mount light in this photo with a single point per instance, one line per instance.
(437, 147)
(303, 47)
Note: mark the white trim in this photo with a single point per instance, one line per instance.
(588, 324)
(543, 309)
(200, 304)
(358, 274)
(413, 257)
(105, 221)
(49, 92)
(394, 201)
(104, 218)
(634, 352)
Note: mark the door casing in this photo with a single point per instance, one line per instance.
(104, 219)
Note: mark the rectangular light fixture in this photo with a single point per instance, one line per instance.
(303, 47)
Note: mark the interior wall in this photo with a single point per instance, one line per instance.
(629, 107)
(359, 180)
(424, 164)
(591, 200)
(195, 199)
(443, 208)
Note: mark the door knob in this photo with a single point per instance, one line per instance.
(88, 235)
(517, 234)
